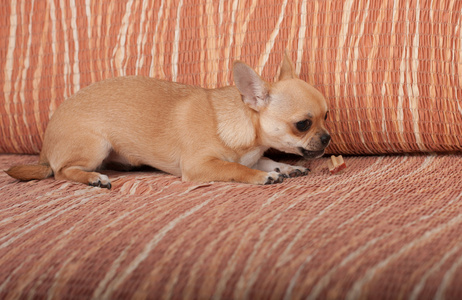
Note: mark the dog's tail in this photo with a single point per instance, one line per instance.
(30, 172)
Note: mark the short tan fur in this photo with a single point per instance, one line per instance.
(198, 134)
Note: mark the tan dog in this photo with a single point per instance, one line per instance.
(199, 134)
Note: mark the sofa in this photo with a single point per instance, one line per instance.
(387, 227)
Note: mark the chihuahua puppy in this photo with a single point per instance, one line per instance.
(201, 135)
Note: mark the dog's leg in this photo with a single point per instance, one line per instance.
(219, 170)
(268, 165)
(76, 173)
(80, 159)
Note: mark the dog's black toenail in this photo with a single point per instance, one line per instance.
(95, 184)
(108, 186)
(280, 179)
(100, 184)
(270, 180)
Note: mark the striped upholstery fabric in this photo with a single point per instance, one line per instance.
(389, 69)
(385, 229)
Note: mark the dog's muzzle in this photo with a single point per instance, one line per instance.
(325, 140)
(311, 154)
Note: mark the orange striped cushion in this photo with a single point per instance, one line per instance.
(390, 71)
(385, 229)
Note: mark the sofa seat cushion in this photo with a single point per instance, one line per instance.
(390, 70)
(388, 226)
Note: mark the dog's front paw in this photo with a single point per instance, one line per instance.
(274, 177)
(292, 171)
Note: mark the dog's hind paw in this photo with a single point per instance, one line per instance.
(102, 181)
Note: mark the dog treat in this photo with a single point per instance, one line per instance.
(336, 164)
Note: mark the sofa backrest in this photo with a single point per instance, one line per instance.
(389, 70)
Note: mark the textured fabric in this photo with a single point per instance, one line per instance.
(390, 69)
(388, 228)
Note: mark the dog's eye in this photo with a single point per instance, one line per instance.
(303, 125)
(325, 117)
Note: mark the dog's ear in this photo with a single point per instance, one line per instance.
(287, 68)
(253, 88)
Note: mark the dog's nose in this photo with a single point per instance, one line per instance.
(325, 139)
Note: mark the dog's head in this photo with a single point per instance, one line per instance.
(291, 112)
